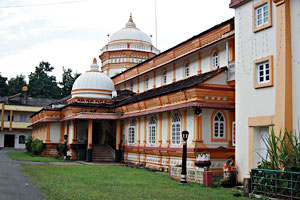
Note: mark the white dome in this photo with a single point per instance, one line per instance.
(130, 32)
(93, 84)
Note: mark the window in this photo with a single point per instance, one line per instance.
(263, 72)
(8, 118)
(262, 15)
(131, 132)
(214, 59)
(152, 129)
(22, 139)
(164, 76)
(176, 129)
(186, 69)
(131, 85)
(219, 126)
(146, 83)
(233, 134)
(23, 118)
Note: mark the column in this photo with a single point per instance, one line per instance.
(169, 130)
(62, 132)
(283, 104)
(47, 132)
(90, 141)
(139, 131)
(2, 117)
(10, 120)
(118, 133)
(74, 134)
(160, 129)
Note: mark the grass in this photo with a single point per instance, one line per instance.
(23, 156)
(115, 182)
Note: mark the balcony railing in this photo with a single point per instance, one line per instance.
(17, 125)
(131, 46)
(231, 72)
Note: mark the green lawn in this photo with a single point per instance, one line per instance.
(115, 182)
(23, 156)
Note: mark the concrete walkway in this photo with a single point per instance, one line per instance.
(14, 185)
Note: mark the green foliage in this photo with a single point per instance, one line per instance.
(37, 147)
(68, 79)
(283, 152)
(3, 86)
(60, 149)
(15, 84)
(41, 84)
(28, 143)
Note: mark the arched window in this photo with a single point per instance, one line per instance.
(219, 126)
(152, 129)
(164, 76)
(176, 129)
(22, 139)
(131, 85)
(186, 69)
(214, 59)
(146, 83)
(131, 132)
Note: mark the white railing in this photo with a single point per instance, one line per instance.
(131, 46)
(231, 71)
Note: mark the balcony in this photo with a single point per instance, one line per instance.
(231, 71)
(17, 125)
(131, 46)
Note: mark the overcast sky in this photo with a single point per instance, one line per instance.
(71, 33)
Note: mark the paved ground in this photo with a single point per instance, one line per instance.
(14, 185)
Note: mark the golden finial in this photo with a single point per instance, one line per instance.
(94, 61)
(130, 18)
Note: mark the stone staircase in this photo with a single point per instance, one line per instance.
(103, 153)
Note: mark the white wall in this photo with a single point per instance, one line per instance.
(17, 134)
(251, 102)
(295, 30)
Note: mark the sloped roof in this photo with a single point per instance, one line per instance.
(173, 87)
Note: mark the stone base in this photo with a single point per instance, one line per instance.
(193, 175)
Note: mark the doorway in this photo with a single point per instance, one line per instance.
(9, 141)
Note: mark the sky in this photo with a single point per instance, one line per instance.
(70, 33)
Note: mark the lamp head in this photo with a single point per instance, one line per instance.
(185, 135)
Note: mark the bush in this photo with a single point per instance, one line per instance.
(37, 147)
(28, 143)
(60, 149)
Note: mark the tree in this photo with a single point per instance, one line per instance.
(3, 86)
(16, 84)
(41, 84)
(68, 79)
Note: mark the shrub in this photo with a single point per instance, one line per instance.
(60, 149)
(37, 147)
(283, 152)
(28, 143)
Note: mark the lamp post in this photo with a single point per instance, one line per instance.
(65, 147)
(185, 135)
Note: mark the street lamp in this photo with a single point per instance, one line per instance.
(185, 135)
(65, 147)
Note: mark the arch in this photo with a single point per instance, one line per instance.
(214, 58)
(219, 127)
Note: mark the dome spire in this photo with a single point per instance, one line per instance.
(94, 66)
(130, 23)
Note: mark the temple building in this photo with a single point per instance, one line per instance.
(134, 109)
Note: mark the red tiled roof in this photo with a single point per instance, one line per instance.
(235, 3)
(93, 116)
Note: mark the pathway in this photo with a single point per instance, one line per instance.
(14, 185)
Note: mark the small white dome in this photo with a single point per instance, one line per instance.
(93, 84)
(130, 32)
